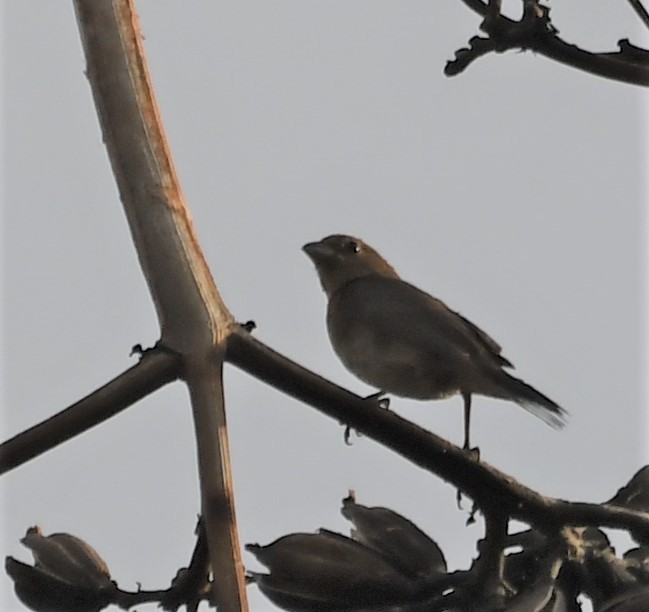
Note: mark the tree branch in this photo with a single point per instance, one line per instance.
(189, 308)
(489, 487)
(492, 559)
(205, 381)
(640, 10)
(191, 584)
(534, 31)
(193, 318)
(157, 368)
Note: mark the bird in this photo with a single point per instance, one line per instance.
(405, 342)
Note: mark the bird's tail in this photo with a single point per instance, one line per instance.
(534, 401)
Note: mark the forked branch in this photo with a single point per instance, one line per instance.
(536, 32)
(193, 318)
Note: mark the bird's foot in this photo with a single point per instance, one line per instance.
(383, 402)
(472, 453)
(376, 398)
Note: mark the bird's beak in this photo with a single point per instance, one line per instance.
(317, 251)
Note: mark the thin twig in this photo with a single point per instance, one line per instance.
(641, 10)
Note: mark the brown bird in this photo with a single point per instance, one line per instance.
(403, 341)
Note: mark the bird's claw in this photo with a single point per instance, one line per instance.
(472, 453)
(382, 402)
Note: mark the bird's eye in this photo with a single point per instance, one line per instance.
(352, 246)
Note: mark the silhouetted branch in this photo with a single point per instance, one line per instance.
(40, 589)
(157, 368)
(640, 10)
(191, 585)
(388, 564)
(535, 32)
(491, 563)
(489, 487)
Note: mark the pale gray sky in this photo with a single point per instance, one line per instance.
(513, 192)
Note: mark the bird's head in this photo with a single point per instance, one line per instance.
(340, 259)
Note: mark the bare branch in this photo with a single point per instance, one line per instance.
(190, 310)
(489, 487)
(641, 10)
(492, 558)
(205, 381)
(193, 318)
(536, 32)
(191, 584)
(157, 368)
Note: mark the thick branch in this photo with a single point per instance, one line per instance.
(157, 368)
(489, 487)
(189, 308)
(205, 381)
(193, 318)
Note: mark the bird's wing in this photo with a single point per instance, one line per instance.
(418, 319)
(490, 344)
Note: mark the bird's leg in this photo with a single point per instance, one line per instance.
(382, 402)
(474, 453)
(467, 419)
(467, 426)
